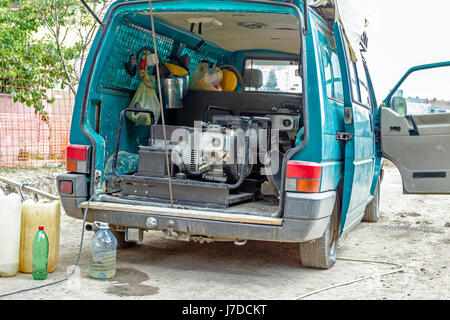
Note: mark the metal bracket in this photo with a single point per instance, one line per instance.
(343, 136)
(98, 178)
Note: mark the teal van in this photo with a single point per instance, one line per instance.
(291, 135)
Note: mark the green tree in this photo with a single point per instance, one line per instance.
(27, 66)
(31, 64)
(65, 20)
(272, 82)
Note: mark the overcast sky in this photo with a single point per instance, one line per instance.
(402, 34)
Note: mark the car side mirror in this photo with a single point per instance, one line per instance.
(398, 104)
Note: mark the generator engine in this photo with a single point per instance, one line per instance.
(220, 155)
(222, 162)
(214, 152)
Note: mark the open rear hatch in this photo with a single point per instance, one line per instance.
(218, 154)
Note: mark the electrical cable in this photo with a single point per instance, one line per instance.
(66, 277)
(401, 268)
(23, 184)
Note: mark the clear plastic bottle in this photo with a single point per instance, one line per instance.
(40, 255)
(103, 253)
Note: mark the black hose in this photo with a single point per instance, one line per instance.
(242, 176)
(23, 184)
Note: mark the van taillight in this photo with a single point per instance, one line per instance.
(303, 176)
(78, 158)
(66, 187)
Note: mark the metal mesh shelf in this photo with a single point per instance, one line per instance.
(195, 58)
(130, 39)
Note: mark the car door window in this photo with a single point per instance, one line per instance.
(424, 92)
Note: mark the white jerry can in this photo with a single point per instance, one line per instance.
(10, 220)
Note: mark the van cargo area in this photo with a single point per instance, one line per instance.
(244, 133)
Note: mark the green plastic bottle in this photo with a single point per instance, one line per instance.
(40, 255)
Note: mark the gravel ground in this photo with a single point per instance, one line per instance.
(413, 231)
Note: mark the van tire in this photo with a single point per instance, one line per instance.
(322, 253)
(120, 236)
(372, 213)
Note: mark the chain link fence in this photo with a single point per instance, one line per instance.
(28, 139)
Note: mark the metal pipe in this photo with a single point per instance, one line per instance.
(305, 14)
(92, 227)
(28, 188)
(92, 12)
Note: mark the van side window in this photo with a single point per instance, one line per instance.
(332, 71)
(363, 84)
(337, 77)
(354, 79)
(327, 70)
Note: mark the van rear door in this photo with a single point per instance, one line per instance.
(415, 129)
(358, 138)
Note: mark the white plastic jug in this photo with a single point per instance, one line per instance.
(10, 218)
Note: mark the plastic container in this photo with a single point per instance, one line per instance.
(40, 255)
(103, 253)
(34, 214)
(9, 234)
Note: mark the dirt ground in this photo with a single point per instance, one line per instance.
(413, 231)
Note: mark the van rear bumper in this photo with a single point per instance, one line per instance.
(306, 217)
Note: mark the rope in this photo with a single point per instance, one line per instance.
(158, 76)
(400, 268)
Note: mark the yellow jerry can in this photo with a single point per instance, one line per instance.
(34, 214)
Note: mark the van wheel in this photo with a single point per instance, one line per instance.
(120, 236)
(372, 213)
(322, 253)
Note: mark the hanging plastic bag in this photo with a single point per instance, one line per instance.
(145, 98)
(204, 78)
